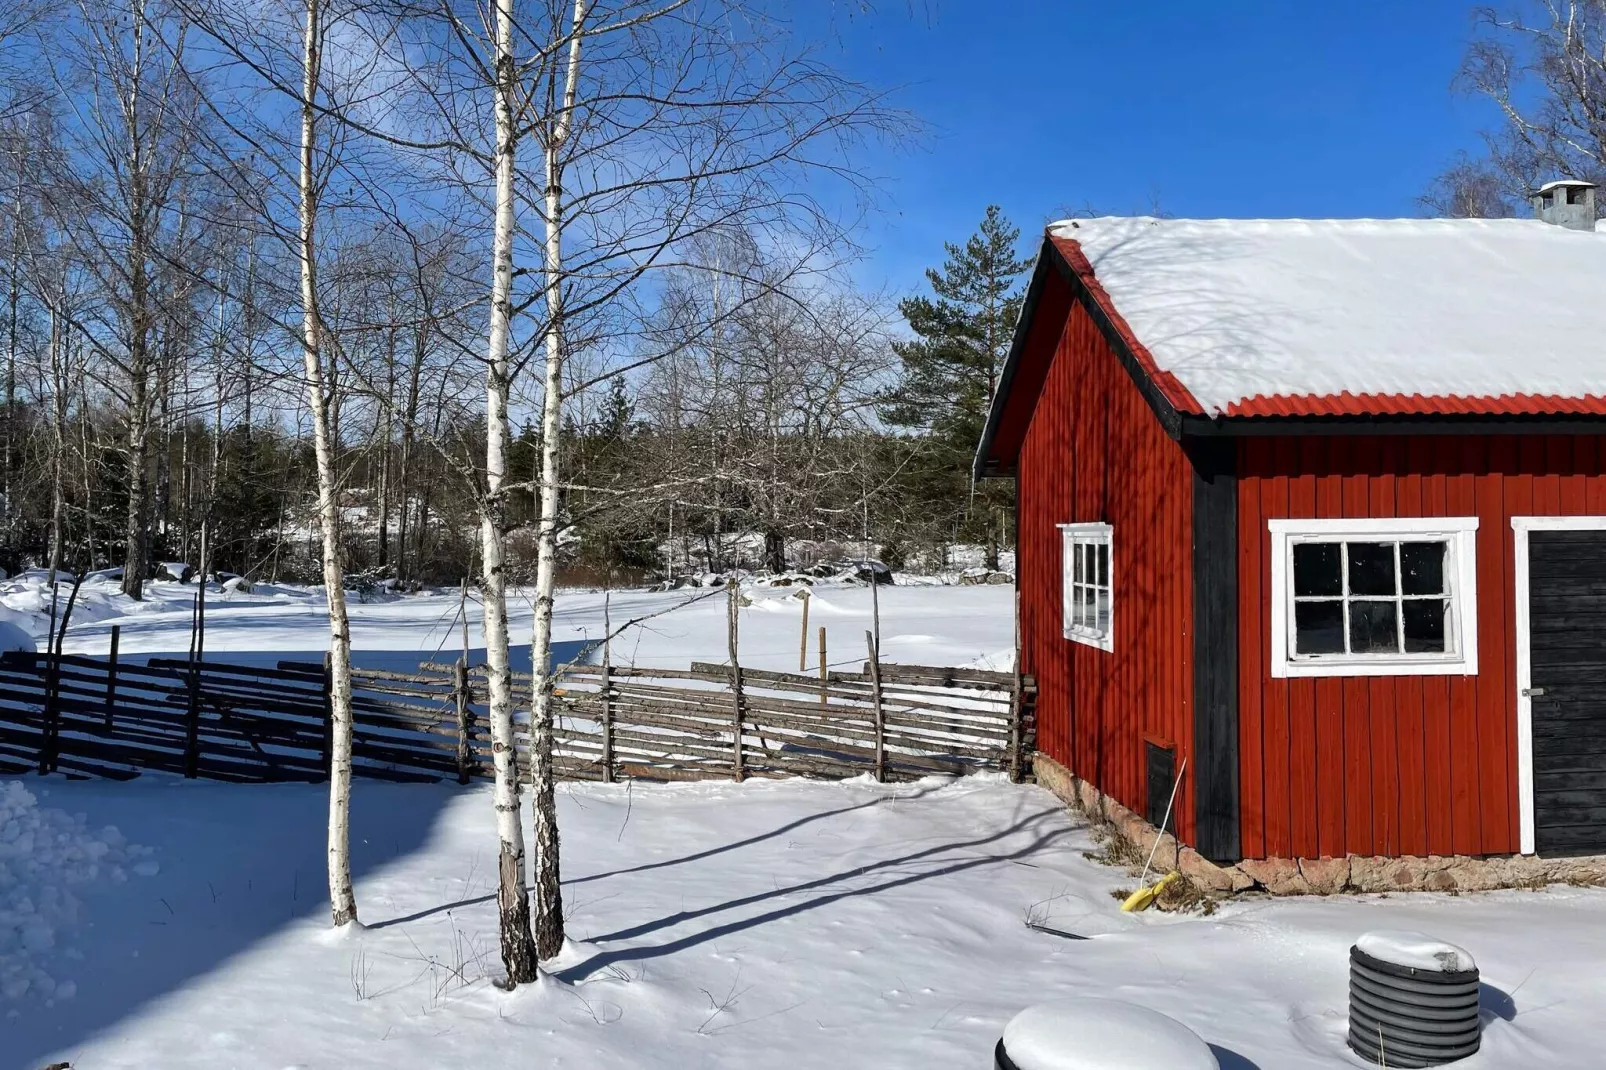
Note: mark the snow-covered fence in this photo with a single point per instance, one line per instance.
(86, 716)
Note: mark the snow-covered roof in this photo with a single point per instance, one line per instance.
(1238, 310)
(1566, 183)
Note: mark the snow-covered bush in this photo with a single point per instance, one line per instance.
(44, 854)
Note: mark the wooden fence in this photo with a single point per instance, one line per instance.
(97, 717)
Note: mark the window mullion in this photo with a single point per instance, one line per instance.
(1343, 575)
(1399, 602)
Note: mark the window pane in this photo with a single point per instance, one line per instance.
(1422, 568)
(1371, 568)
(1103, 623)
(1076, 562)
(1424, 625)
(1319, 627)
(1104, 565)
(1373, 628)
(1316, 569)
(1084, 606)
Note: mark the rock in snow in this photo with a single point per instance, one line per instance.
(1102, 1034)
(45, 854)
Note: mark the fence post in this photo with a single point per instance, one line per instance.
(738, 769)
(47, 729)
(1017, 741)
(825, 676)
(607, 714)
(328, 712)
(192, 723)
(875, 697)
(111, 674)
(465, 727)
(803, 636)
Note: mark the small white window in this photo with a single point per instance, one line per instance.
(1374, 597)
(1087, 569)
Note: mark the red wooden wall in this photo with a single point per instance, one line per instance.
(1407, 764)
(1094, 451)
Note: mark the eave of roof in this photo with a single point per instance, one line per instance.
(1181, 413)
(1348, 404)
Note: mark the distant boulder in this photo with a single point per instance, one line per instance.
(867, 570)
(237, 584)
(175, 571)
(977, 576)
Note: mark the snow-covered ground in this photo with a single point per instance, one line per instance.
(789, 923)
(922, 623)
(779, 923)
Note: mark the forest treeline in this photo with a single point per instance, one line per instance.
(729, 397)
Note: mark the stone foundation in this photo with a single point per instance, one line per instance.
(1317, 876)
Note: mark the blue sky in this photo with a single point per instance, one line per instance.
(1225, 108)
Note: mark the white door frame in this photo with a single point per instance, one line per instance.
(1521, 526)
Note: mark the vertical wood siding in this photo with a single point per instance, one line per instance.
(1406, 764)
(1095, 452)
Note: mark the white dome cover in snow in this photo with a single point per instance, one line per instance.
(1418, 951)
(1103, 1034)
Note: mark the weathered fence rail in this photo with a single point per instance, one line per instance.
(97, 717)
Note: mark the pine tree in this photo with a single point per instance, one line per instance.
(950, 373)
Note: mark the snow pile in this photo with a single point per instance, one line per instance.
(25, 600)
(1238, 308)
(14, 632)
(44, 855)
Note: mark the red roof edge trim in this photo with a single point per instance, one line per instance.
(1179, 396)
(1348, 404)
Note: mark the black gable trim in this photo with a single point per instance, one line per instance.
(1049, 258)
(1169, 417)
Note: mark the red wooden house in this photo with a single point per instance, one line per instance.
(1318, 508)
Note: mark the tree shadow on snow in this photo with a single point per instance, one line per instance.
(681, 861)
(939, 867)
(238, 863)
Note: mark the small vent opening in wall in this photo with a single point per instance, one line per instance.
(1161, 769)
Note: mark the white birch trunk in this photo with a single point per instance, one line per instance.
(548, 888)
(342, 899)
(513, 901)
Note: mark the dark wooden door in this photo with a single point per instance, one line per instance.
(1567, 658)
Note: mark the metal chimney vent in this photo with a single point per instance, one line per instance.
(1568, 203)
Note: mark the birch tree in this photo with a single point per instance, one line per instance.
(1542, 64)
(342, 898)
(519, 949)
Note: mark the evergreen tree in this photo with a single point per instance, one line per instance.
(950, 373)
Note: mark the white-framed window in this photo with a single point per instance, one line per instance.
(1087, 577)
(1374, 597)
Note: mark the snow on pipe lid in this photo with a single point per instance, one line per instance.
(1102, 1034)
(1417, 951)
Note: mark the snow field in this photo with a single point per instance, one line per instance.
(804, 924)
(46, 855)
